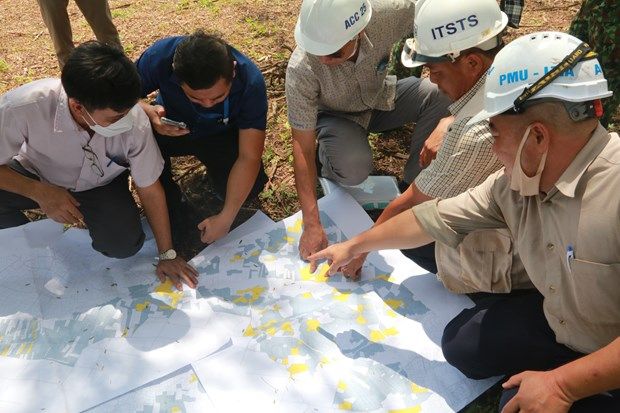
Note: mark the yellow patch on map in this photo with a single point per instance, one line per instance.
(320, 275)
(296, 227)
(193, 378)
(313, 324)
(290, 240)
(142, 306)
(172, 295)
(5, 351)
(418, 389)
(249, 331)
(307, 295)
(384, 277)
(341, 296)
(360, 319)
(414, 409)
(324, 360)
(297, 368)
(236, 258)
(295, 351)
(342, 386)
(175, 409)
(380, 335)
(393, 303)
(391, 313)
(249, 295)
(255, 253)
(345, 406)
(284, 361)
(287, 327)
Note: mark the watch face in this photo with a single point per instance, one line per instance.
(168, 255)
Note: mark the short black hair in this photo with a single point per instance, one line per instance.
(100, 76)
(201, 59)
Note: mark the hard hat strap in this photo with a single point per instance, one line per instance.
(582, 52)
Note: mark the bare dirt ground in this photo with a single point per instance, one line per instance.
(261, 29)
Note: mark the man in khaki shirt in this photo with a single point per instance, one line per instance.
(338, 90)
(66, 145)
(557, 198)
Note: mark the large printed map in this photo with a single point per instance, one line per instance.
(78, 329)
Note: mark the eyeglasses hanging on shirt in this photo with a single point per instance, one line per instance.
(222, 118)
(92, 157)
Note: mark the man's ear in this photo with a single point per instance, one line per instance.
(541, 134)
(475, 63)
(75, 105)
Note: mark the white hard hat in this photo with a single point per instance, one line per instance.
(324, 26)
(444, 28)
(527, 59)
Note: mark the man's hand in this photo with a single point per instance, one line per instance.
(214, 228)
(178, 271)
(353, 269)
(433, 142)
(539, 392)
(155, 113)
(313, 239)
(58, 204)
(338, 255)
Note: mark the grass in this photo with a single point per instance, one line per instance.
(4, 66)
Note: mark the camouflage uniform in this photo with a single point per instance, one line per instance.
(598, 23)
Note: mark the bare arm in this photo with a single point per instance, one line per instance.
(154, 203)
(401, 231)
(304, 151)
(556, 390)
(240, 182)
(57, 203)
(408, 199)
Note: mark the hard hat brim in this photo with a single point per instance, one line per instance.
(323, 49)
(479, 117)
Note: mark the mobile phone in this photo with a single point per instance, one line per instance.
(171, 122)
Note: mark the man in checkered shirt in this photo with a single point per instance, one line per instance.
(465, 158)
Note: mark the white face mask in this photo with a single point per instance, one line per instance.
(519, 181)
(122, 125)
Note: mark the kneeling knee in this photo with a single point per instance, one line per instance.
(121, 248)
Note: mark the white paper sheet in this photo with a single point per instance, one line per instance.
(328, 344)
(78, 329)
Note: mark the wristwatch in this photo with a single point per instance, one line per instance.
(168, 255)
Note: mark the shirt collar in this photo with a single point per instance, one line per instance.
(63, 121)
(569, 180)
(463, 100)
(365, 46)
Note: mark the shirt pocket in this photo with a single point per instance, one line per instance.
(597, 291)
(486, 261)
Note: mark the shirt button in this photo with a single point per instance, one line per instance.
(550, 246)
(552, 288)
(562, 322)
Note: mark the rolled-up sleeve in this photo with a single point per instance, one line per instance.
(143, 154)
(449, 220)
(302, 93)
(12, 134)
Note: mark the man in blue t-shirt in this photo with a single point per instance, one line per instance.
(220, 96)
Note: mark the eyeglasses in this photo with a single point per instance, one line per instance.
(92, 157)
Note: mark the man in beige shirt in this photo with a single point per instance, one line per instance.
(338, 90)
(66, 145)
(557, 198)
(486, 260)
